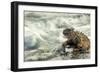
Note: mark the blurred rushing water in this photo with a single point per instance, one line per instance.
(43, 30)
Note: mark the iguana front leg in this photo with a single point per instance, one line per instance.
(64, 45)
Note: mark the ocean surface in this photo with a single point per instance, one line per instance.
(43, 34)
